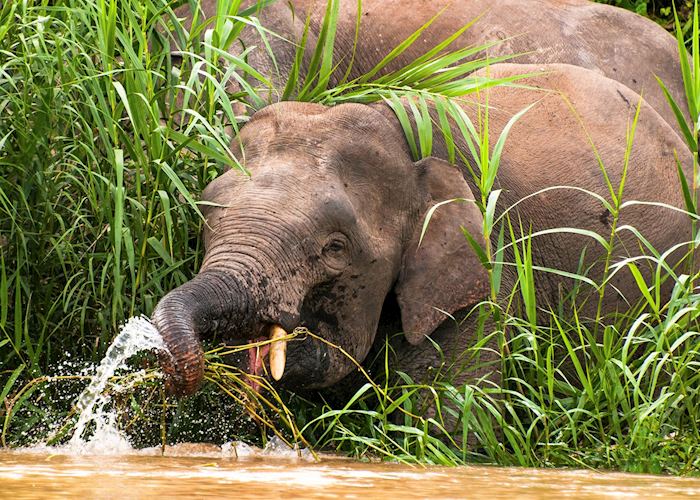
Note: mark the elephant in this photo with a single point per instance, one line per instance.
(324, 233)
(615, 42)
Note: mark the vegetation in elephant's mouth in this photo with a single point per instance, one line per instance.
(263, 357)
(101, 151)
(253, 391)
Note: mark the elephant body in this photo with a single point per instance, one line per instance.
(325, 231)
(617, 43)
(326, 228)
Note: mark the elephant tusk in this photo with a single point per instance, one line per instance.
(278, 352)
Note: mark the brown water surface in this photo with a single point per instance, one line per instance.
(204, 471)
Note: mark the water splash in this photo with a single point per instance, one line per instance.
(136, 335)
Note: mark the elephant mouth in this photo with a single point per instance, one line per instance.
(292, 358)
(268, 354)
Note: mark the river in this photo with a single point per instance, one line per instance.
(201, 470)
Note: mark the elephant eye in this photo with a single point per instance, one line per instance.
(336, 256)
(334, 246)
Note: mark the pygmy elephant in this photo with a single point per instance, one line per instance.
(328, 222)
(612, 41)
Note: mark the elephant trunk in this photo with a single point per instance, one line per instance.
(210, 302)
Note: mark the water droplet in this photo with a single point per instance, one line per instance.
(136, 335)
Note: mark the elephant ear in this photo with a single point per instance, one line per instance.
(442, 274)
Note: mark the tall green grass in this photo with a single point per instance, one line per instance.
(105, 141)
(104, 145)
(98, 174)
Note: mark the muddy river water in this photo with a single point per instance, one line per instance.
(204, 472)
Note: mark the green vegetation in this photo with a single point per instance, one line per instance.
(660, 11)
(104, 145)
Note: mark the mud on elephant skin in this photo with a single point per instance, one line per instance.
(327, 223)
(615, 42)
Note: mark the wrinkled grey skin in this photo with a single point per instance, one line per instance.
(615, 42)
(327, 225)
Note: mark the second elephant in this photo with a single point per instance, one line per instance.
(617, 43)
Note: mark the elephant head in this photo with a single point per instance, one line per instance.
(325, 225)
